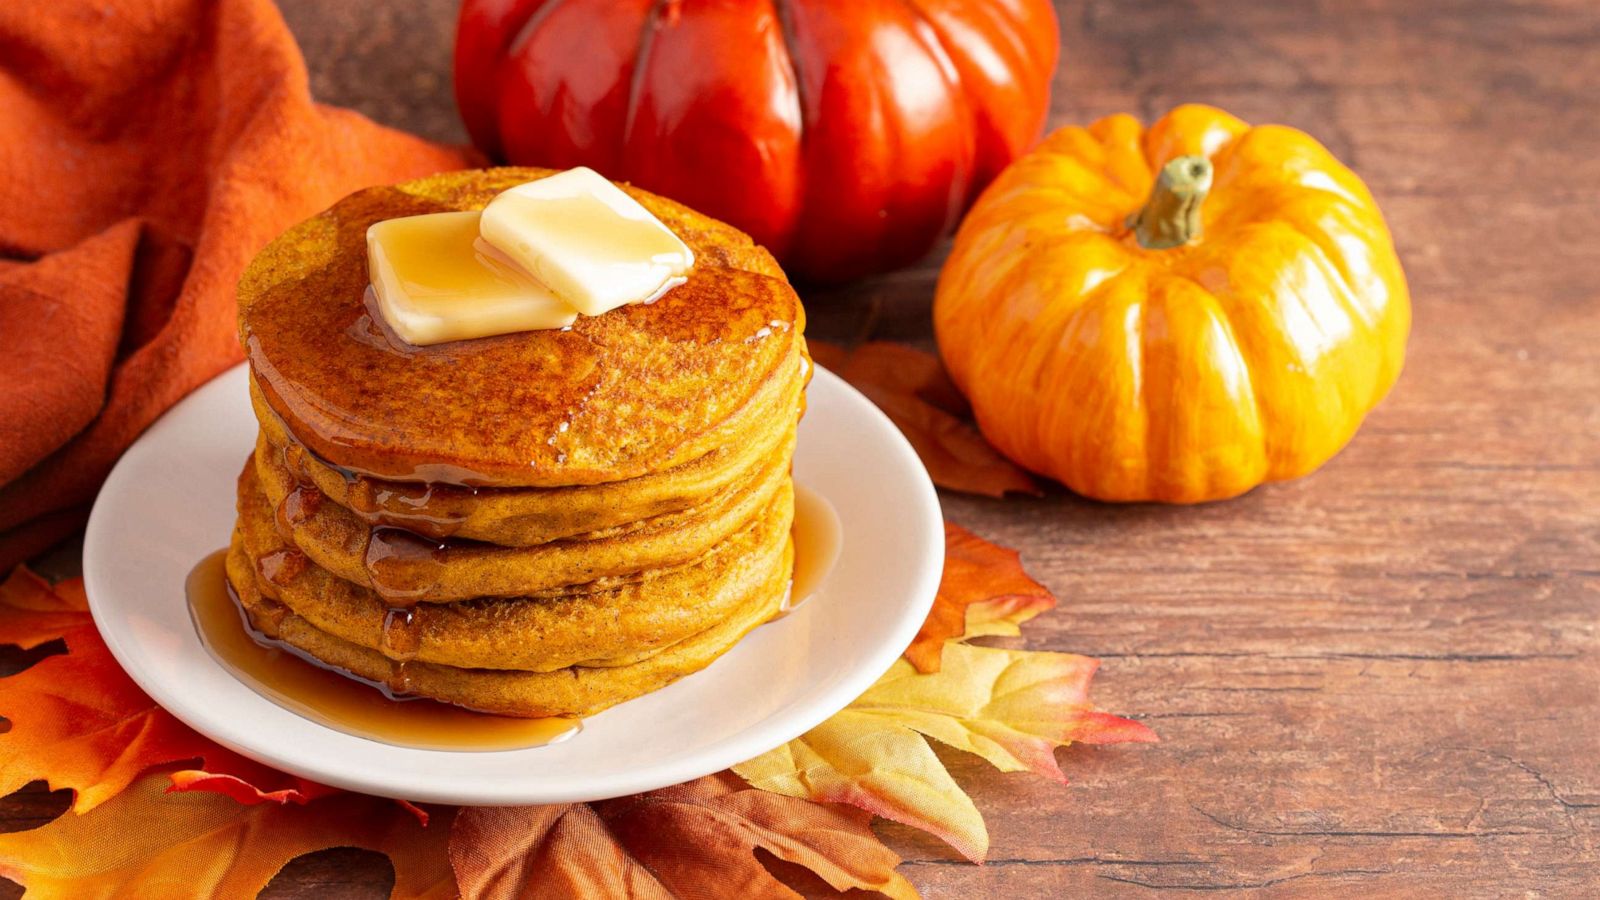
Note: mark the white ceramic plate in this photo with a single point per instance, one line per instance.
(169, 503)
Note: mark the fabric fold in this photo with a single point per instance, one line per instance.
(148, 149)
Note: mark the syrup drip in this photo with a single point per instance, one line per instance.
(416, 507)
(271, 612)
(278, 568)
(392, 555)
(398, 684)
(298, 505)
(295, 459)
(818, 538)
(401, 638)
(337, 699)
(410, 507)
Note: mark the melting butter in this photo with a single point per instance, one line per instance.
(586, 240)
(437, 280)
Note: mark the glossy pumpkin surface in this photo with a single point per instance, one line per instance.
(1248, 353)
(847, 136)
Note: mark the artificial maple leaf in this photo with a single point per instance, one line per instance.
(145, 842)
(1010, 707)
(242, 779)
(693, 840)
(32, 612)
(984, 591)
(913, 390)
(78, 721)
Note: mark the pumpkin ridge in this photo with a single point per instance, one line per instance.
(1141, 378)
(1096, 301)
(641, 54)
(1340, 273)
(1281, 466)
(1251, 368)
(960, 183)
(1383, 380)
(783, 13)
(1088, 300)
(1267, 194)
(1214, 118)
(946, 63)
(995, 145)
(1110, 134)
(1369, 316)
(1315, 159)
(1104, 181)
(524, 33)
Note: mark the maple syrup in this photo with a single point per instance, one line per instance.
(391, 554)
(381, 712)
(339, 700)
(817, 539)
(379, 503)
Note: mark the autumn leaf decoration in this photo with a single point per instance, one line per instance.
(144, 822)
(913, 390)
(984, 591)
(692, 840)
(1013, 708)
(149, 842)
(79, 722)
(158, 810)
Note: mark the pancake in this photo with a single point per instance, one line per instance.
(521, 517)
(642, 389)
(404, 568)
(588, 626)
(537, 523)
(576, 690)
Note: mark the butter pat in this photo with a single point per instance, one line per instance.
(587, 241)
(436, 280)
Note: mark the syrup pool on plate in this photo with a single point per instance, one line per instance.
(355, 706)
(817, 539)
(338, 700)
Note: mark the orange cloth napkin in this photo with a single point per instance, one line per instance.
(148, 149)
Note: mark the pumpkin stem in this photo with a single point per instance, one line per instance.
(1171, 217)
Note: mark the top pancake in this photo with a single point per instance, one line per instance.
(637, 390)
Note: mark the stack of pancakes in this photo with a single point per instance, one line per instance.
(540, 523)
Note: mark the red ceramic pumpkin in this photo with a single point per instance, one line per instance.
(845, 135)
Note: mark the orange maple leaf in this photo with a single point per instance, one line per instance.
(78, 721)
(984, 590)
(242, 778)
(148, 842)
(913, 390)
(692, 840)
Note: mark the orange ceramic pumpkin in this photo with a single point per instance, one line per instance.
(1174, 314)
(846, 136)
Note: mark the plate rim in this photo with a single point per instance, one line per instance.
(770, 732)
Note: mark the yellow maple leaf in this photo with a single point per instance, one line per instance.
(204, 845)
(1010, 707)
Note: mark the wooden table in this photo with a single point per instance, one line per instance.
(1382, 679)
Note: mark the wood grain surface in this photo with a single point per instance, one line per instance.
(1383, 679)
